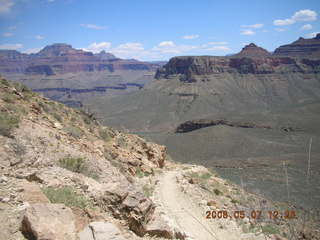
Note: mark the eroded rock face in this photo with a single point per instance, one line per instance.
(301, 48)
(101, 231)
(191, 69)
(44, 221)
(129, 204)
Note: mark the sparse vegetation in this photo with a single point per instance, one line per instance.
(139, 173)
(73, 131)
(217, 192)
(78, 165)
(104, 134)
(67, 196)
(270, 229)
(45, 107)
(9, 98)
(8, 122)
(148, 190)
(4, 82)
(73, 164)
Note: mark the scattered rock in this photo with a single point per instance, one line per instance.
(5, 200)
(101, 231)
(57, 125)
(212, 203)
(160, 227)
(3, 179)
(44, 221)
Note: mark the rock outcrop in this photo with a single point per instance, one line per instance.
(253, 50)
(202, 123)
(301, 48)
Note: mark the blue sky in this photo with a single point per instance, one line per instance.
(156, 30)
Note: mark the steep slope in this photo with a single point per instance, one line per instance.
(244, 112)
(64, 176)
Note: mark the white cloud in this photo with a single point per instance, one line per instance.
(218, 48)
(132, 46)
(305, 15)
(98, 47)
(93, 26)
(11, 46)
(169, 47)
(280, 29)
(283, 22)
(7, 34)
(189, 37)
(247, 32)
(32, 50)
(39, 37)
(257, 25)
(5, 6)
(162, 50)
(217, 43)
(312, 35)
(130, 50)
(166, 44)
(306, 27)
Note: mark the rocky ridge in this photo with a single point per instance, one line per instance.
(61, 58)
(301, 48)
(64, 176)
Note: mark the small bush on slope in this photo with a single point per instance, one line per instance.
(67, 196)
(78, 165)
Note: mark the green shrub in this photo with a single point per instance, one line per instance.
(217, 192)
(67, 196)
(7, 123)
(45, 107)
(73, 131)
(78, 165)
(9, 98)
(206, 176)
(234, 201)
(270, 229)
(4, 82)
(147, 190)
(73, 164)
(104, 134)
(57, 116)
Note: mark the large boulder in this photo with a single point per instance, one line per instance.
(45, 221)
(129, 203)
(31, 193)
(101, 231)
(161, 226)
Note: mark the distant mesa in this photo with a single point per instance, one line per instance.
(301, 48)
(253, 50)
(61, 58)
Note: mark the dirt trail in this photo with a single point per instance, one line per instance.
(188, 216)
